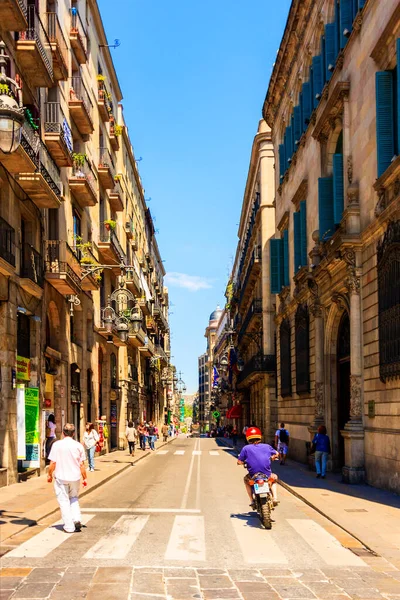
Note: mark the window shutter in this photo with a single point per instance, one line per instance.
(297, 125)
(285, 142)
(285, 257)
(307, 105)
(361, 4)
(289, 145)
(337, 27)
(317, 79)
(330, 50)
(355, 8)
(384, 119)
(275, 266)
(338, 188)
(297, 241)
(281, 160)
(302, 126)
(303, 229)
(397, 110)
(325, 208)
(323, 60)
(346, 19)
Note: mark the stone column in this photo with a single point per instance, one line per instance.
(319, 417)
(353, 433)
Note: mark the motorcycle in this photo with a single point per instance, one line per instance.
(263, 498)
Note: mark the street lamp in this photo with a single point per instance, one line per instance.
(11, 108)
(126, 318)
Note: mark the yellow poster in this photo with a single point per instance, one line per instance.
(23, 368)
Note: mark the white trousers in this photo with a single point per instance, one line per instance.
(67, 493)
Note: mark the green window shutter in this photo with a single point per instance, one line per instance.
(307, 104)
(303, 230)
(317, 79)
(330, 50)
(297, 241)
(325, 208)
(285, 257)
(397, 109)
(275, 254)
(281, 160)
(297, 125)
(338, 188)
(346, 20)
(384, 119)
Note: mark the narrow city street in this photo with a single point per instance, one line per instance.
(177, 525)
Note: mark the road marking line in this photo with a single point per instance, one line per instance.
(180, 452)
(141, 510)
(325, 544)
(187, 541)
(196, 452)
(162, 452)
(45, 542)
(120, 538)
(213, 452)
(189, 477)
(198, 482)
(256, 544)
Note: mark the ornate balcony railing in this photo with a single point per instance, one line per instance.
(260, 363)
(30, 142)
(255, 308)
(106, 160)
(55, 122)
(23, 4)
(7, 242)
(105, 96)
(84, 171)
(36, 32)
(49, 170)
(32, 264)
(256, 256)
(79, 92)
(56, 259)
(109, 236)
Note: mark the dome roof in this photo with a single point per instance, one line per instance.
(215, 315)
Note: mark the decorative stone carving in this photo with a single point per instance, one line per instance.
(349, 257)
(340, 60)
(396, 187)
(355, 397)
(353, 282)
(381, 204)
(358, 21)
(353, 194)
(350, 169)
(316, 309)
(340, 300)
(319, 399)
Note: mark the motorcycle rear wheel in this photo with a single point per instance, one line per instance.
(265, 510)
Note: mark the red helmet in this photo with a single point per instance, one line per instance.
(253, 433)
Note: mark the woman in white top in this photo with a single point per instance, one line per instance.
(131, 437)
(50, 434)
(90, 439)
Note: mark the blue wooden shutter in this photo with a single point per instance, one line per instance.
(297, 125)
(285, 257)
(275, 266)
(397, 109)
(281, 160)
(317, 79)
(302, 125)
(361, 4)
(384, 119)
(346, 19)
(289, 146)
(303, 230)
(337, 27)
(330, 49)
(297, 241)
(325, 208)
(307, 105)
(323, 59)
(338, 188)
(285, 152)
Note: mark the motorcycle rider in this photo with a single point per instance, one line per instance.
(257, 459)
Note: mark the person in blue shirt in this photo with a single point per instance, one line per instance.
(257, 459)
(322, 450)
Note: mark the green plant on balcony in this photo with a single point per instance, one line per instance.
(101, 78)
(110, 224)
(78, 158)
(118, 177)
(30, 119)
(118, 129)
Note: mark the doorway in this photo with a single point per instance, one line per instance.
(343, 383)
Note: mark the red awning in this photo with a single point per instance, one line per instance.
(235, 412)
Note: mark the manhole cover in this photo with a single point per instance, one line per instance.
(355, 510)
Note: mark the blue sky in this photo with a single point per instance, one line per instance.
(194, 77)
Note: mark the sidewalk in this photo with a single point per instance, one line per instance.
(369, 514)
(22, 505)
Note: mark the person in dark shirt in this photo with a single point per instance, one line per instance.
(257, 459)
(322, 446)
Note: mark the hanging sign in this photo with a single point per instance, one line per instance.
(23, 368)
(32, 432)
(21, 443)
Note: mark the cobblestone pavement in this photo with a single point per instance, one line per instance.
(123, 583)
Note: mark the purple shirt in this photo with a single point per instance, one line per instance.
(258, 458)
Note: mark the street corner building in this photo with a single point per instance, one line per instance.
(84, 331)
(333, 106)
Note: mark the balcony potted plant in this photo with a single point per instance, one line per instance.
(79, 161)
(118, 129)
(110, 224)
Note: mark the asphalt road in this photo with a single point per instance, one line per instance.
(184, 510)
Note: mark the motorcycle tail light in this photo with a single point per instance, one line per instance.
(251, 482)
(260, 481)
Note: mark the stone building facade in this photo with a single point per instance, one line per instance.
(70, 199)
(334, 112)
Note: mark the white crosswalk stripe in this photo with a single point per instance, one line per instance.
(160, 452)
(213, 452)
(196, 452)
(120, 539)
(179, 452)
(256, 544)
(187, 541)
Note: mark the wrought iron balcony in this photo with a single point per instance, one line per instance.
(106, 169)
(256, 367)
(7, 248)
(14, 13)
(77, 36)
(255, 309)
(82, 184)
(57, 135)
(80, 106)
(31, 270)
(104, 102)
(110, 246)
(59, 260)
(34, 50)
(160, 352)
(252, 272)
(58, 46)
(116, 199)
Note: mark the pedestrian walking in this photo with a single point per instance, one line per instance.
(234, 435)
(90, 439)
(50, 434)
(151, 432)
(142, 431)
(131, 437)
(321, 444)
(164, 431)
(67, 463)
(282, 443)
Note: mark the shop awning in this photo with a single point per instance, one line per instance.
(235, 412)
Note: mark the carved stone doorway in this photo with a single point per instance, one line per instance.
(343, 385)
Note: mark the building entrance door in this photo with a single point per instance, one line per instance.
(343, 379)
(114, 424)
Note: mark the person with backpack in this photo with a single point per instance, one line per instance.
(282, 443)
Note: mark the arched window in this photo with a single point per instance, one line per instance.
(302, 329)
(286, 363)
(113, 370)
(389, 302)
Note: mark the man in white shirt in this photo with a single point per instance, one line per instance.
(67, 458)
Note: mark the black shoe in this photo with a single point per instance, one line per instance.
(322, 476)
(318, 476)
(78, 526)
(253, 505)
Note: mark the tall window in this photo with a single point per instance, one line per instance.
(389, 302)
(279, 263)
(113, 370)
(23, 335)
(302, 329)
(286, 363)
